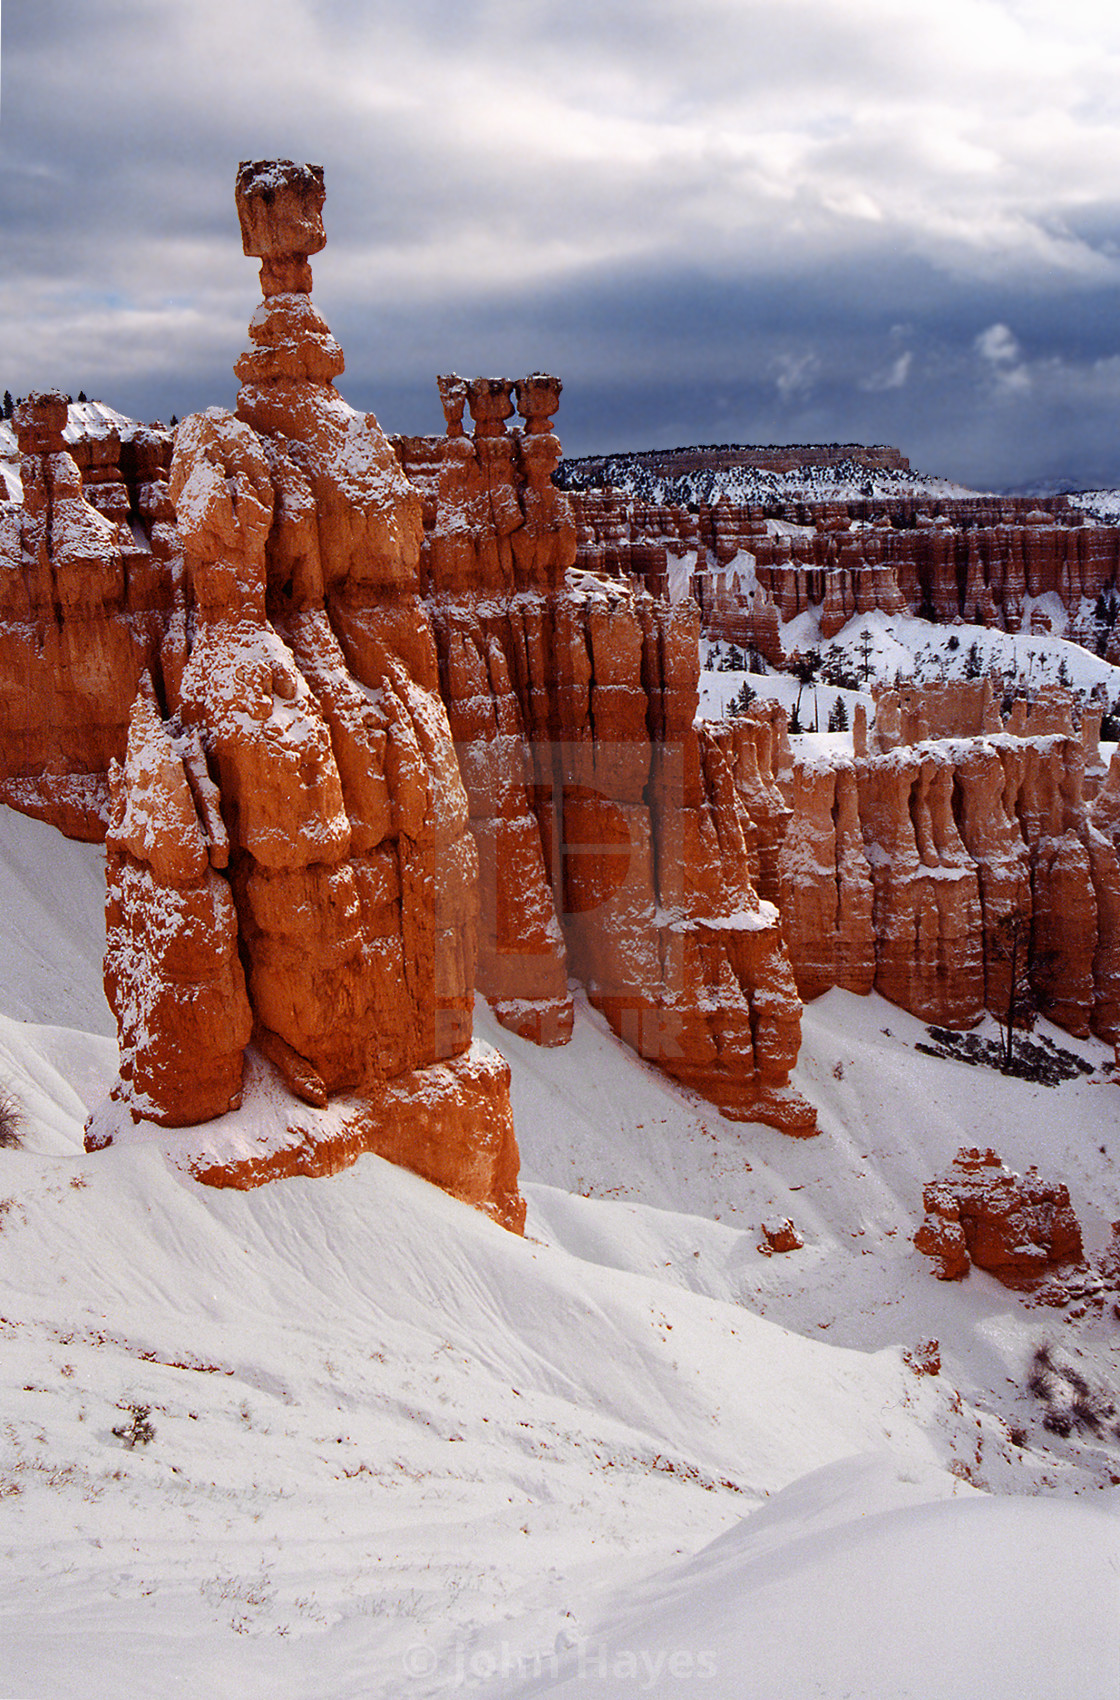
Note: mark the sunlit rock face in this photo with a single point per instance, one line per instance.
(333, 847)
(614, 842)
(173, 977)
(1017, 1227)
(935, 868)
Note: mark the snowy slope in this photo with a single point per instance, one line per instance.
(843, 481)
(399, 1452)
(886, 649)
(823, 1592)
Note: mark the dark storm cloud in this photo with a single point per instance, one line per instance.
(727, 219)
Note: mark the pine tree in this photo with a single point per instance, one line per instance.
(1110, 724)
(838, 716)
(9, 405)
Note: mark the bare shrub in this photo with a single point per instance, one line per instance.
(1068, 1399)
(139, 1431)
(11, 1117)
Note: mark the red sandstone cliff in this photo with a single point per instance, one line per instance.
(973, 558)
(902, 866)
(613, 839)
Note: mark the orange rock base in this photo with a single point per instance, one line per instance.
(450, 1123)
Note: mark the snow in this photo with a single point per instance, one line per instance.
(97, 420)
(680, 571)
(11, 480)
(882, 1588)
(399, 1452)
(884, 649)
(1101, 505)
(844, 481)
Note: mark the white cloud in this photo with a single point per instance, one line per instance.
(999, 349)
(795, 374)
(998, 345)
(892, 377)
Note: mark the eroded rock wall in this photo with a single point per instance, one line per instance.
(976, 559)
(88, 603)
(613, 838)
(924, 869)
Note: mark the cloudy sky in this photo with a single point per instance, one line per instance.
(719, 220)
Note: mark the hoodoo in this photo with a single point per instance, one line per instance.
(612, 835)
(337, 865)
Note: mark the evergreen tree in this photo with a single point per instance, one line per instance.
(838, 716)
(9, 405)
(806, 667)
(1104, 618)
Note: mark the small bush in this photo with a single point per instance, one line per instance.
(11, 1118)
(139, 1431)
(1069, 1401)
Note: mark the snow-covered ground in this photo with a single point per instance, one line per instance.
(398, 1452)
(886, 649)
(1102, 505)
(844, 481)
